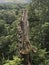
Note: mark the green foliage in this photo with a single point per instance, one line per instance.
(39, 33)
(15, 61)
(8, 32)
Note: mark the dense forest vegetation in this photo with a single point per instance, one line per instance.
(38, 17)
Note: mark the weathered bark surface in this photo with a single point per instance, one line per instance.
(24, 45)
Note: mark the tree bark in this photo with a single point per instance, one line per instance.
(25, 45)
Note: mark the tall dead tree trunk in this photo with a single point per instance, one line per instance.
(24, 45)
